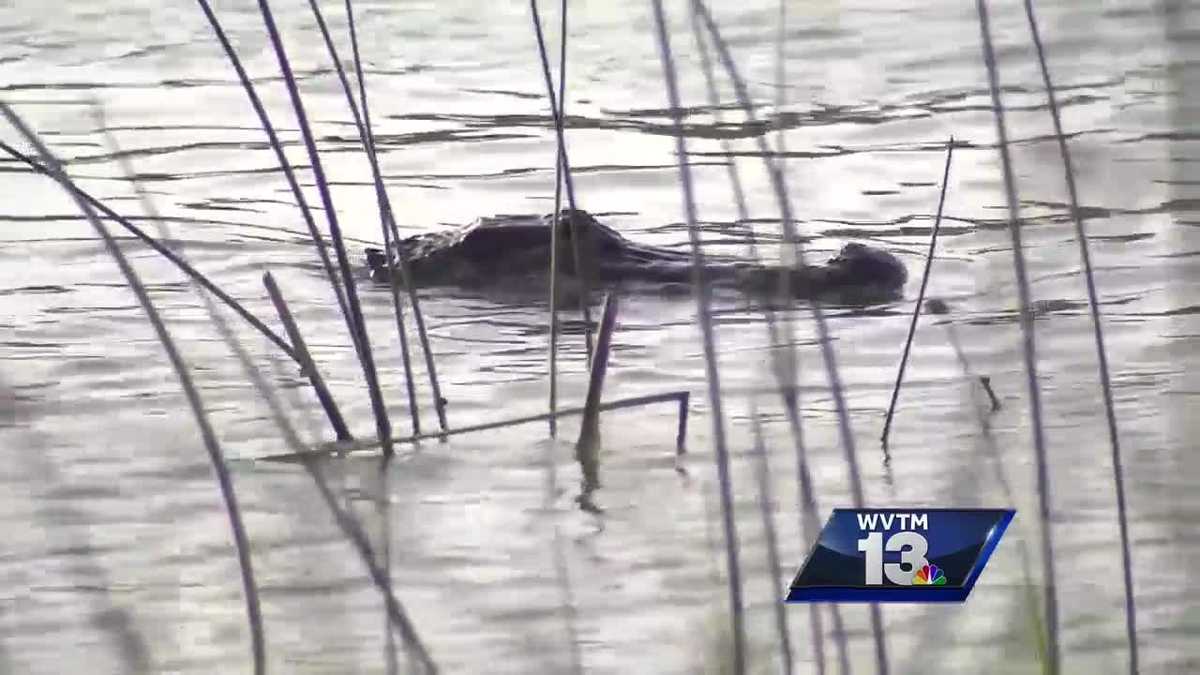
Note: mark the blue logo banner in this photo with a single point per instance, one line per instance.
(899, 555)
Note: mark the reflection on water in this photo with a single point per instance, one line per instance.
(118, 557)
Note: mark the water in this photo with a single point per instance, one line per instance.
(118, 556)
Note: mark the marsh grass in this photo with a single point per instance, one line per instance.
(938, 307)
(378, 565)
(1031, 619)
(731, 650)
(354, 321)
(398, 274)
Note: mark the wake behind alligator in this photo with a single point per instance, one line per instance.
(512, 251)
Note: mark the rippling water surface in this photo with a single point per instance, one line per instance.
(117, 554)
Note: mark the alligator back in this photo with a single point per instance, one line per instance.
(518, 246)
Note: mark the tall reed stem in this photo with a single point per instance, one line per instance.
(766, 504)
(558, 185)
(1029, 349)
(157, 246)
(912, 326)
(277, 147)
(824, 337)
(704, 314)
(589, 431)
(785, 363)
(306, 361)
(560, 137)
(1110, 414)
(587, 449)
(390, 254)
(355, 322)
(385, 501)
(207, 433)
(349, 525)
(396, 261)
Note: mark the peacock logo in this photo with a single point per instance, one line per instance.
(929, 575)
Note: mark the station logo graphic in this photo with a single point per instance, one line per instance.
(899, 555)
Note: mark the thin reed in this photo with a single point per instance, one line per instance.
(824, 338)
(390, 231)
(784, 362)
(680, 398)
(158, 247)
(1110, 414)
(589, 433)
(564, 164)
(346, 521)
(306, 361)
(367, 135)
(988, 441)
(559, 152)
(354, 321)
(587, 448)
(397, 270)
(285, 166)
(766, 504)
(701, 291)
(207, 433)
(912, 326)
(1029, 348)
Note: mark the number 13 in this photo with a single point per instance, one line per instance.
(912, 548)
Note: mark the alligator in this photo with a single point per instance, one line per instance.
(494, 250)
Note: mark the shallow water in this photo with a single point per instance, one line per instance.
(118, 555)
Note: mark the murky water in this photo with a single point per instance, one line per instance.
(117, 554)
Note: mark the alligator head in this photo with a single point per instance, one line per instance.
(863, 265)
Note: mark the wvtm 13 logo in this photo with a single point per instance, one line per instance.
(899, 555)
